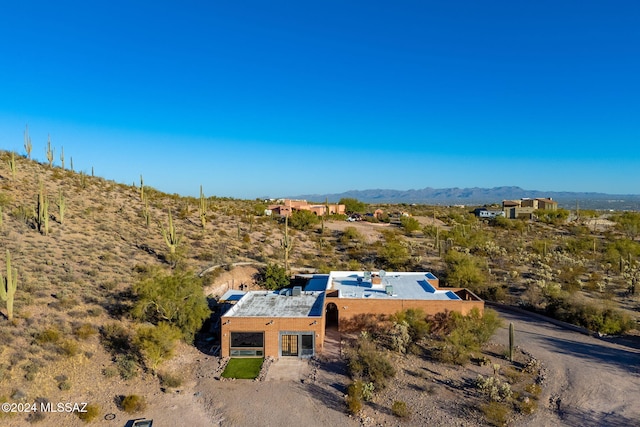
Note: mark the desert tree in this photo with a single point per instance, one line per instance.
(176, 298)
(352, 205)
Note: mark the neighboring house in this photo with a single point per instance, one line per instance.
(488, 213)
(287, 206)
(292, 322)
(524, 208)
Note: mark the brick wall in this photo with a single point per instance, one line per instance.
(271, 330)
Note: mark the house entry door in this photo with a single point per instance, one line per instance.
(290, 345)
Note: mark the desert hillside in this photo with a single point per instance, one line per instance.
(77, 265)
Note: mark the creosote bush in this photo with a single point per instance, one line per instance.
(133, 403)
(369, 364)
(399, 409)
(90, 414)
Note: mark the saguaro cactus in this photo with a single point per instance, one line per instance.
(12, 165)
(146, 214)
(49, 151)
(171, 238)
(286, 244)
(8, 286)
(202, 209)
(42, 218)
(511, 341)
(62, 206)
(27, 142)
(141, 188)
(62, 157)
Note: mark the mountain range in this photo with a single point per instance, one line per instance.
(476, 196)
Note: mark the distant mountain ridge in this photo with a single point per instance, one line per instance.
(481, 196)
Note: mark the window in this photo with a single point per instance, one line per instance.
(247, 344)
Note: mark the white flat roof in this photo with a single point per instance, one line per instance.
(402, 285)
(273, 304)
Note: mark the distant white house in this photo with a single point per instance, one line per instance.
(488, 213)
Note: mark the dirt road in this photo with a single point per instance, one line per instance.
(590, 381)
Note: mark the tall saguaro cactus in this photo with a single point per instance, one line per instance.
(286, 244)
(42, 218)
(27, 142)
(511, 341)
(171, 238)
(141, 188)
(202, 209)
(8, 286)
(12, 165)
(49, 151)
(62, 206)
(62, 157)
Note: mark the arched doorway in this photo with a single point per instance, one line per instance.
(331, 316)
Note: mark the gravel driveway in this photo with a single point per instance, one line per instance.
(590, 381)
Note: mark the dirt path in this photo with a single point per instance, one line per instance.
(590, 381)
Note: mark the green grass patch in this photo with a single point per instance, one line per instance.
(246, 368)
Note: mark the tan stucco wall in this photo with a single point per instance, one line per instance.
(348, 308)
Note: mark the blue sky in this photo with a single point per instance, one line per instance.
(256, 98)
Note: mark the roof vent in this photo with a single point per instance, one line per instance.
(296, 291)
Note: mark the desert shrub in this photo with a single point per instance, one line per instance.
(35, 417)
(115, 338)
(496, 413)
(69, 348)
(409, 224)
(466, 335)
(31, 369)
(527, 406)
(366, 322)
(175, 298)
(169, 380)
(273, 277)
(157, 343)
(350, 234)
(464, 271)
(533, 389)
(369, 364)
(133, 403)
(303, 220)
(64, 385)
(91, 413)
(354, 404)
(603, 320)
(393, 254)
(84, 331)
(49, 335)
(399, 409)
(127, 366)
(109, 372)
(416, 322)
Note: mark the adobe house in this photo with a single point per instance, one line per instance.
(292, 322)
(288, 206)
(524, 208)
